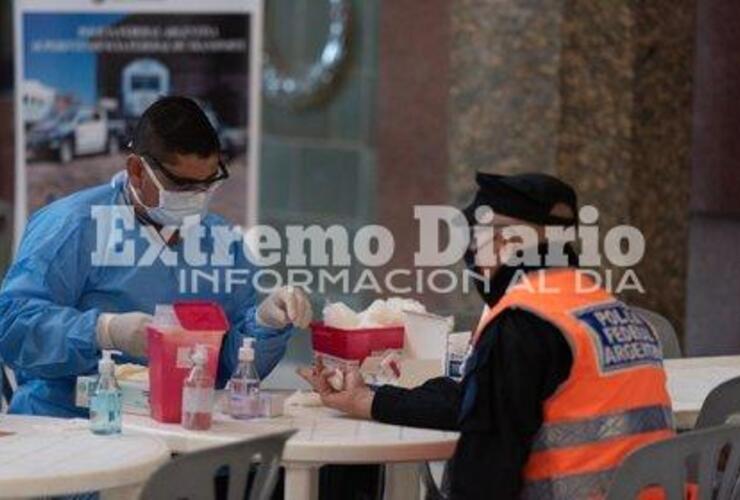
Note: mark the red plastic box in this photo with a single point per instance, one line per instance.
(169, 354)
(354, 345)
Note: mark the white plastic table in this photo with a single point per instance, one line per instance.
(324, 437)
(46, 456)
(690, 380)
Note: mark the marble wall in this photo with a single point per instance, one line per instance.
(596, 92)
(665, 37)
(505, 96)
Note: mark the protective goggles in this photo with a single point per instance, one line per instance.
(174, 182)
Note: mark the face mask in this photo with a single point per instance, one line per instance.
(480, 285)
(175, 206)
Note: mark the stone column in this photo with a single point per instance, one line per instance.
(626, 130)
(596, 92)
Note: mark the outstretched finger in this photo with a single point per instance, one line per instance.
(319, 364)
(310, 376)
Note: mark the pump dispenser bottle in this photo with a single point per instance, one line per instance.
(244, 386)
(106, 403)
(198, 393)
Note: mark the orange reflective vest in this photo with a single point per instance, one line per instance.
(613, 401)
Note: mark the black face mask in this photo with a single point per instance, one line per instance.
(487, 288)
(498, 284)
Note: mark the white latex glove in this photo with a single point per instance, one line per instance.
(124, 332)
(285, 306)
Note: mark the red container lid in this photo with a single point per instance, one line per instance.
(201, 315)
(355, 344)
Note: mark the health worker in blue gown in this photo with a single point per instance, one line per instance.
(91, 267)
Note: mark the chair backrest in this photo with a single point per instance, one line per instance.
(6, 387)
(192, 476)
(433, 491)
(664, 329)
(708, 459)
(720, 404)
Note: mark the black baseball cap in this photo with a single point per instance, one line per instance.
(529, 197)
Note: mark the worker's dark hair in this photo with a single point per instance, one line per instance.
(174, 124)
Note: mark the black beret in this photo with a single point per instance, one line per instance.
(528, 197)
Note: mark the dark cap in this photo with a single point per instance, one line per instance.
(528, 197)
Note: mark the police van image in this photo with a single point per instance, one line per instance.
(143, 81)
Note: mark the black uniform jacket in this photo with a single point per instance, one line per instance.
(518, 363)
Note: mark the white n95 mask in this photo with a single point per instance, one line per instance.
(175, 206)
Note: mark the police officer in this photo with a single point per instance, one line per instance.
(563, 380)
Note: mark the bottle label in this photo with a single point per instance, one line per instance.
(197, 400)
(105, 412)
(183, 358)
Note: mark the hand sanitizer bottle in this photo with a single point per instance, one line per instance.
(198, 393)
(105, 402)
(244, 386)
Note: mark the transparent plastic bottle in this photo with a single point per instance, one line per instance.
(198, 393)
(244, 386)
(106, 404)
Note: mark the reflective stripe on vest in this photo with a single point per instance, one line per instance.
(603, 427)
(577, 486)
(590, 486)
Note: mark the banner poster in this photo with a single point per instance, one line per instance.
(87, 69)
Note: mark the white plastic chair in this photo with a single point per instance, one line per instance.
(6, 387)
(714, 453)
(665, 331)
(193, 475)
(720, 404)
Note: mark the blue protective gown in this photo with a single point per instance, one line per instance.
(54, 292)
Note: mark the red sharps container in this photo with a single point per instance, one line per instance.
(340, 347)
(176, 330)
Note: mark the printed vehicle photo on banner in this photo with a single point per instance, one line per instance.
(89, 69)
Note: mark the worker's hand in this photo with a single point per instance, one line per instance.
(355, 399)
(124, 332)
(284, 306)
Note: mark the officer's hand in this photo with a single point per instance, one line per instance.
(124, 332)
(355, 399)
(284, 306)
(313, 375)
